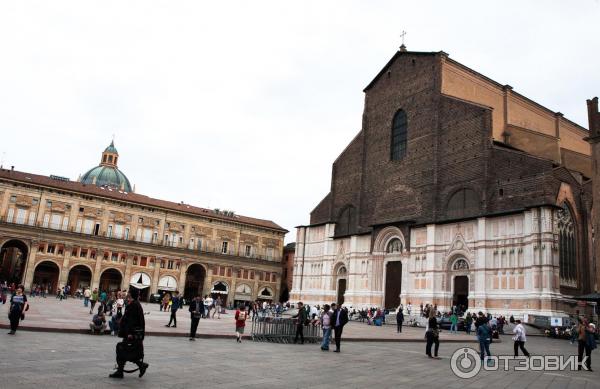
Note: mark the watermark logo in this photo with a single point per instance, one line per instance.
(466, 363)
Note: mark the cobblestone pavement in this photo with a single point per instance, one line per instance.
(71, 315)
(43, 360)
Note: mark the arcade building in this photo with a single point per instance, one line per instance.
(97, 232)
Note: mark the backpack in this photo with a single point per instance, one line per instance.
(242, 315)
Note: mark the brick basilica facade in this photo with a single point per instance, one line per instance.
(456, 190)
(97, 232)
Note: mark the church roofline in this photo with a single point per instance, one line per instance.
(399, 53)
(477, 74)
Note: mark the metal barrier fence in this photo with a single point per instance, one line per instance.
(282, 330)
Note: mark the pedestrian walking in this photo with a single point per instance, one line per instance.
(432, 334)
(196, 312)
(340, 318)
(208, 302)
(453, 323)
(520, 338)
(468, 323)
(586, 343)
(399, 319)
(218, 303)
(301, 318)
(86, 297)
(132, 329)
(240, 322)
(93, 299)
(484, 336)
(326, 325)
(16, 311)
(174, 307)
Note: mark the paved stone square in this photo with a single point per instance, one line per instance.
(43, 360)
(71, 316)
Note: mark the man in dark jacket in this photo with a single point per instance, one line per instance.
(131, 329)
(399, 319)
(196, 312)
(338, 321)
(302, 315)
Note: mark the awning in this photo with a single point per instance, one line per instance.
(168, 283)
(140, 280)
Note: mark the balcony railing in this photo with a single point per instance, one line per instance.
(131, 238)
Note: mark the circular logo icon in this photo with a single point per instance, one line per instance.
(465, 363)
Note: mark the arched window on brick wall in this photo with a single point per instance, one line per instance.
(346, 223)
(399, 136)
(463, 202)
(567, 247)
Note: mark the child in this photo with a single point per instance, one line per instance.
(240, 322)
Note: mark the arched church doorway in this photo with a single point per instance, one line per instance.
(341, 276)
(461, 293)
(110, 280)
(393, 284)
(46, 274)
(80, 276)
(194, 281)
(13, 257)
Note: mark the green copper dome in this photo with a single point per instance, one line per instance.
(107, 173)
(107, 176)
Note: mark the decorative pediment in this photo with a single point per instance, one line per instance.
(459, 244)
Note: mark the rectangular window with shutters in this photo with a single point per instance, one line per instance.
(228, 272)
(65, 224)
(245, 274)
(83, 253)
(269, 253)
(118, 231)
(224, 247)
(88, 226)
(78, 225)
(143, 261)
(191, 245)
(46, 220)
(170, 265)
(74, 251)
(126, 236)
(239, 273)
(109, 232)
(20, 216)
(114, 257)
(51, 249)
(273, 277)
(222, 271)
(55, 221)
(248, 250)
(31, 221)
(93, 255)
(11, 213)
(199, 244)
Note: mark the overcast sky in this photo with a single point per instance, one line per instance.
(245, 105)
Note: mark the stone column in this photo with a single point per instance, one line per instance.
(64, 272)
(127, 276)
(30, 265)
(182, 277)
(97, 270)
(154, 284)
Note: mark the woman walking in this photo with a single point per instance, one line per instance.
(432, 334)
(520, 338)
(18, 306)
